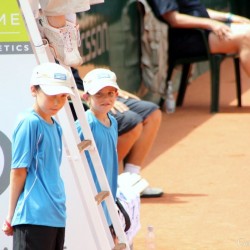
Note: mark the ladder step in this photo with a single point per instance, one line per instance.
(120, 246)
(101, 196)
(83, 145)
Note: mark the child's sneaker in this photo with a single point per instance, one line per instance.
(64, 42)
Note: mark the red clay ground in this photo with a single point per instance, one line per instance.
(202, 161)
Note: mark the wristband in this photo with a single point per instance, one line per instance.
(229, 18)
(8, 224)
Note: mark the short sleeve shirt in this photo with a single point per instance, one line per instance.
(37, 146)
(190, 7)
(160, 7)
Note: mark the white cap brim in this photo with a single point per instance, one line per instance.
(56, 90)
(97, 87)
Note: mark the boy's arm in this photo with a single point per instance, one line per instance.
(17, 180)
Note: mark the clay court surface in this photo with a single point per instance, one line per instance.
(202, 161)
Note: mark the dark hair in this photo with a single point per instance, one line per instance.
(37, 87)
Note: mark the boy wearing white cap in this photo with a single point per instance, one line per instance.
(37, 214)
(101, 88)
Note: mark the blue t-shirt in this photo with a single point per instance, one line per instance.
(106, 143)
(37, 146)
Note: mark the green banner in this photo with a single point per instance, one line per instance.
(14, 38)
(12, 28)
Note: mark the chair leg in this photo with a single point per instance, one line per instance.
(186, 70)
(238, 79)
(169, 75)
(215, 62)
(161, 102)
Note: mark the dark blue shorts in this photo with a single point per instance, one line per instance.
(138, 111)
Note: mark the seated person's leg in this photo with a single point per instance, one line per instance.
(128, 119)
(129, 130)
(150, 116)
(142, 146)
(127, 140)
(239, 33)
(238, 42)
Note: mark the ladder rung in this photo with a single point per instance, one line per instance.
(120, 246)
(101, 196)
(83, 145)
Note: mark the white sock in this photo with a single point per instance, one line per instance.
(131, 168)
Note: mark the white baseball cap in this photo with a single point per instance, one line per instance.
(98, 79)
(53, 79)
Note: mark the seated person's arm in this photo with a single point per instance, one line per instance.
(120, 106)
(124, 94)
(227, 17)
(178, 20)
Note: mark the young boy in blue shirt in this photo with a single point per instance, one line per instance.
(102, 89)
(37, 213)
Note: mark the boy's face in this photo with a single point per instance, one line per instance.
(48, 105)
(103, 101)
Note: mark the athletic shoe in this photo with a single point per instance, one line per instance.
(132, 180)
(64, 42)
(151, 192)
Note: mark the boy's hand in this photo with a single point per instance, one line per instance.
(7, 228)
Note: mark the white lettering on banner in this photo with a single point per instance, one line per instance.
(15, 48)
(10, 19)
(94, 42)
(15, 19)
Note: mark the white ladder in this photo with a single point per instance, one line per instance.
(90, 199)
